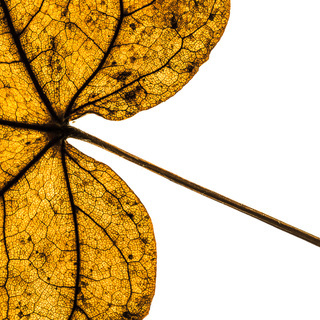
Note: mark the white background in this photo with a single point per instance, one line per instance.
(246, 126)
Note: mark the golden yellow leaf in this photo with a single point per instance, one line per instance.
(75, 242)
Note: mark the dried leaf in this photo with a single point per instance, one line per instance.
(75, 242)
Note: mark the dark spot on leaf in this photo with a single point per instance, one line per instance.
(130, 256)
(112, 112)
(173, 21)
(211, 17)
(48, 278)
(133, 26)
(29, 238)
(128, 315)
(113, 63)
(20, 314)
(70, 26)
(53, 43)
(27, 143)
(131, 95)
(64, 12)
(144, 240)
(130, 215)
(133, 59)
(122, 76)
(190, 67)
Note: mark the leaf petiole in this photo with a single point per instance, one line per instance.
(81, 135)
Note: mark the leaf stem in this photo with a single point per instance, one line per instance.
(81, 135)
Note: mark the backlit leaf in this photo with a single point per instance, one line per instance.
(75, 242)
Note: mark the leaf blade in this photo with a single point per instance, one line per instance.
(25, 61)
(127, 231)
(69, 258)
(76, 242)
(154, 56)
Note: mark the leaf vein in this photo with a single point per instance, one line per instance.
(6, 250)
(26, 62)
(29, 165)
(76, 230)
(119, 250)
(74, 98)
